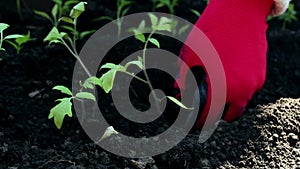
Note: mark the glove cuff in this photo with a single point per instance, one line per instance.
(280, 6)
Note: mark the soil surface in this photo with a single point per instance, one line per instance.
(266, 136)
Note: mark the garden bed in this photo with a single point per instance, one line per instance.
(267, 136)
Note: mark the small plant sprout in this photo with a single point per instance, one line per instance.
(157, 24)
(59, 9)
(19, 39)
(63, 108)
(123, 7)
(289, 16)
(170, 4)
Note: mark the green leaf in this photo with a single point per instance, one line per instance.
(77, 10)
(155, 42)
(138, 63)
(24, 39)
(3, 26)
(103, 18)
(142, 26)
(159, 5)
(108, 132)
(183, 29)
(197, 13)
(53, 35)
(139, 36)
(13, 44)
(140, 59)
(70, 2)
(66, 19)
(86, 33)
(125, 11)
(63, 89)
(178, 103)
(69, 28)
(153, 19)
(107, 80)
(13, 36)
(164, 24)
(108, 66)
(86, 95)
(60, 111)
(59, 2)
(44, 15)
(91, 81)
(54, 11)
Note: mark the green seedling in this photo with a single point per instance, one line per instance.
(289, 16)
(59, 9)
(170, 4)
(19, 39)
(63, 108)
(106, 81)
(123, 7)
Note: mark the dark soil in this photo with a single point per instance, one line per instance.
(266, 136)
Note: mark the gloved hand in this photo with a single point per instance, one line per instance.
(237, 29)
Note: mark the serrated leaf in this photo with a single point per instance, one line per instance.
(14, 36)
(139, 36)
(77, 10)
(153, 19)
(135, 62)
(155, 42)
(43, 14)
(63, 89)
(3, 26)
(86, 95)
(66, 19)
(173, 99)
(60, 111)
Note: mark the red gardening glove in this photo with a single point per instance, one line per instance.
(237, 29)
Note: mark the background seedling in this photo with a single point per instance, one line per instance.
(170, 4)
(123, 7)
(63, 108)
(19, 39)
(59, 9)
